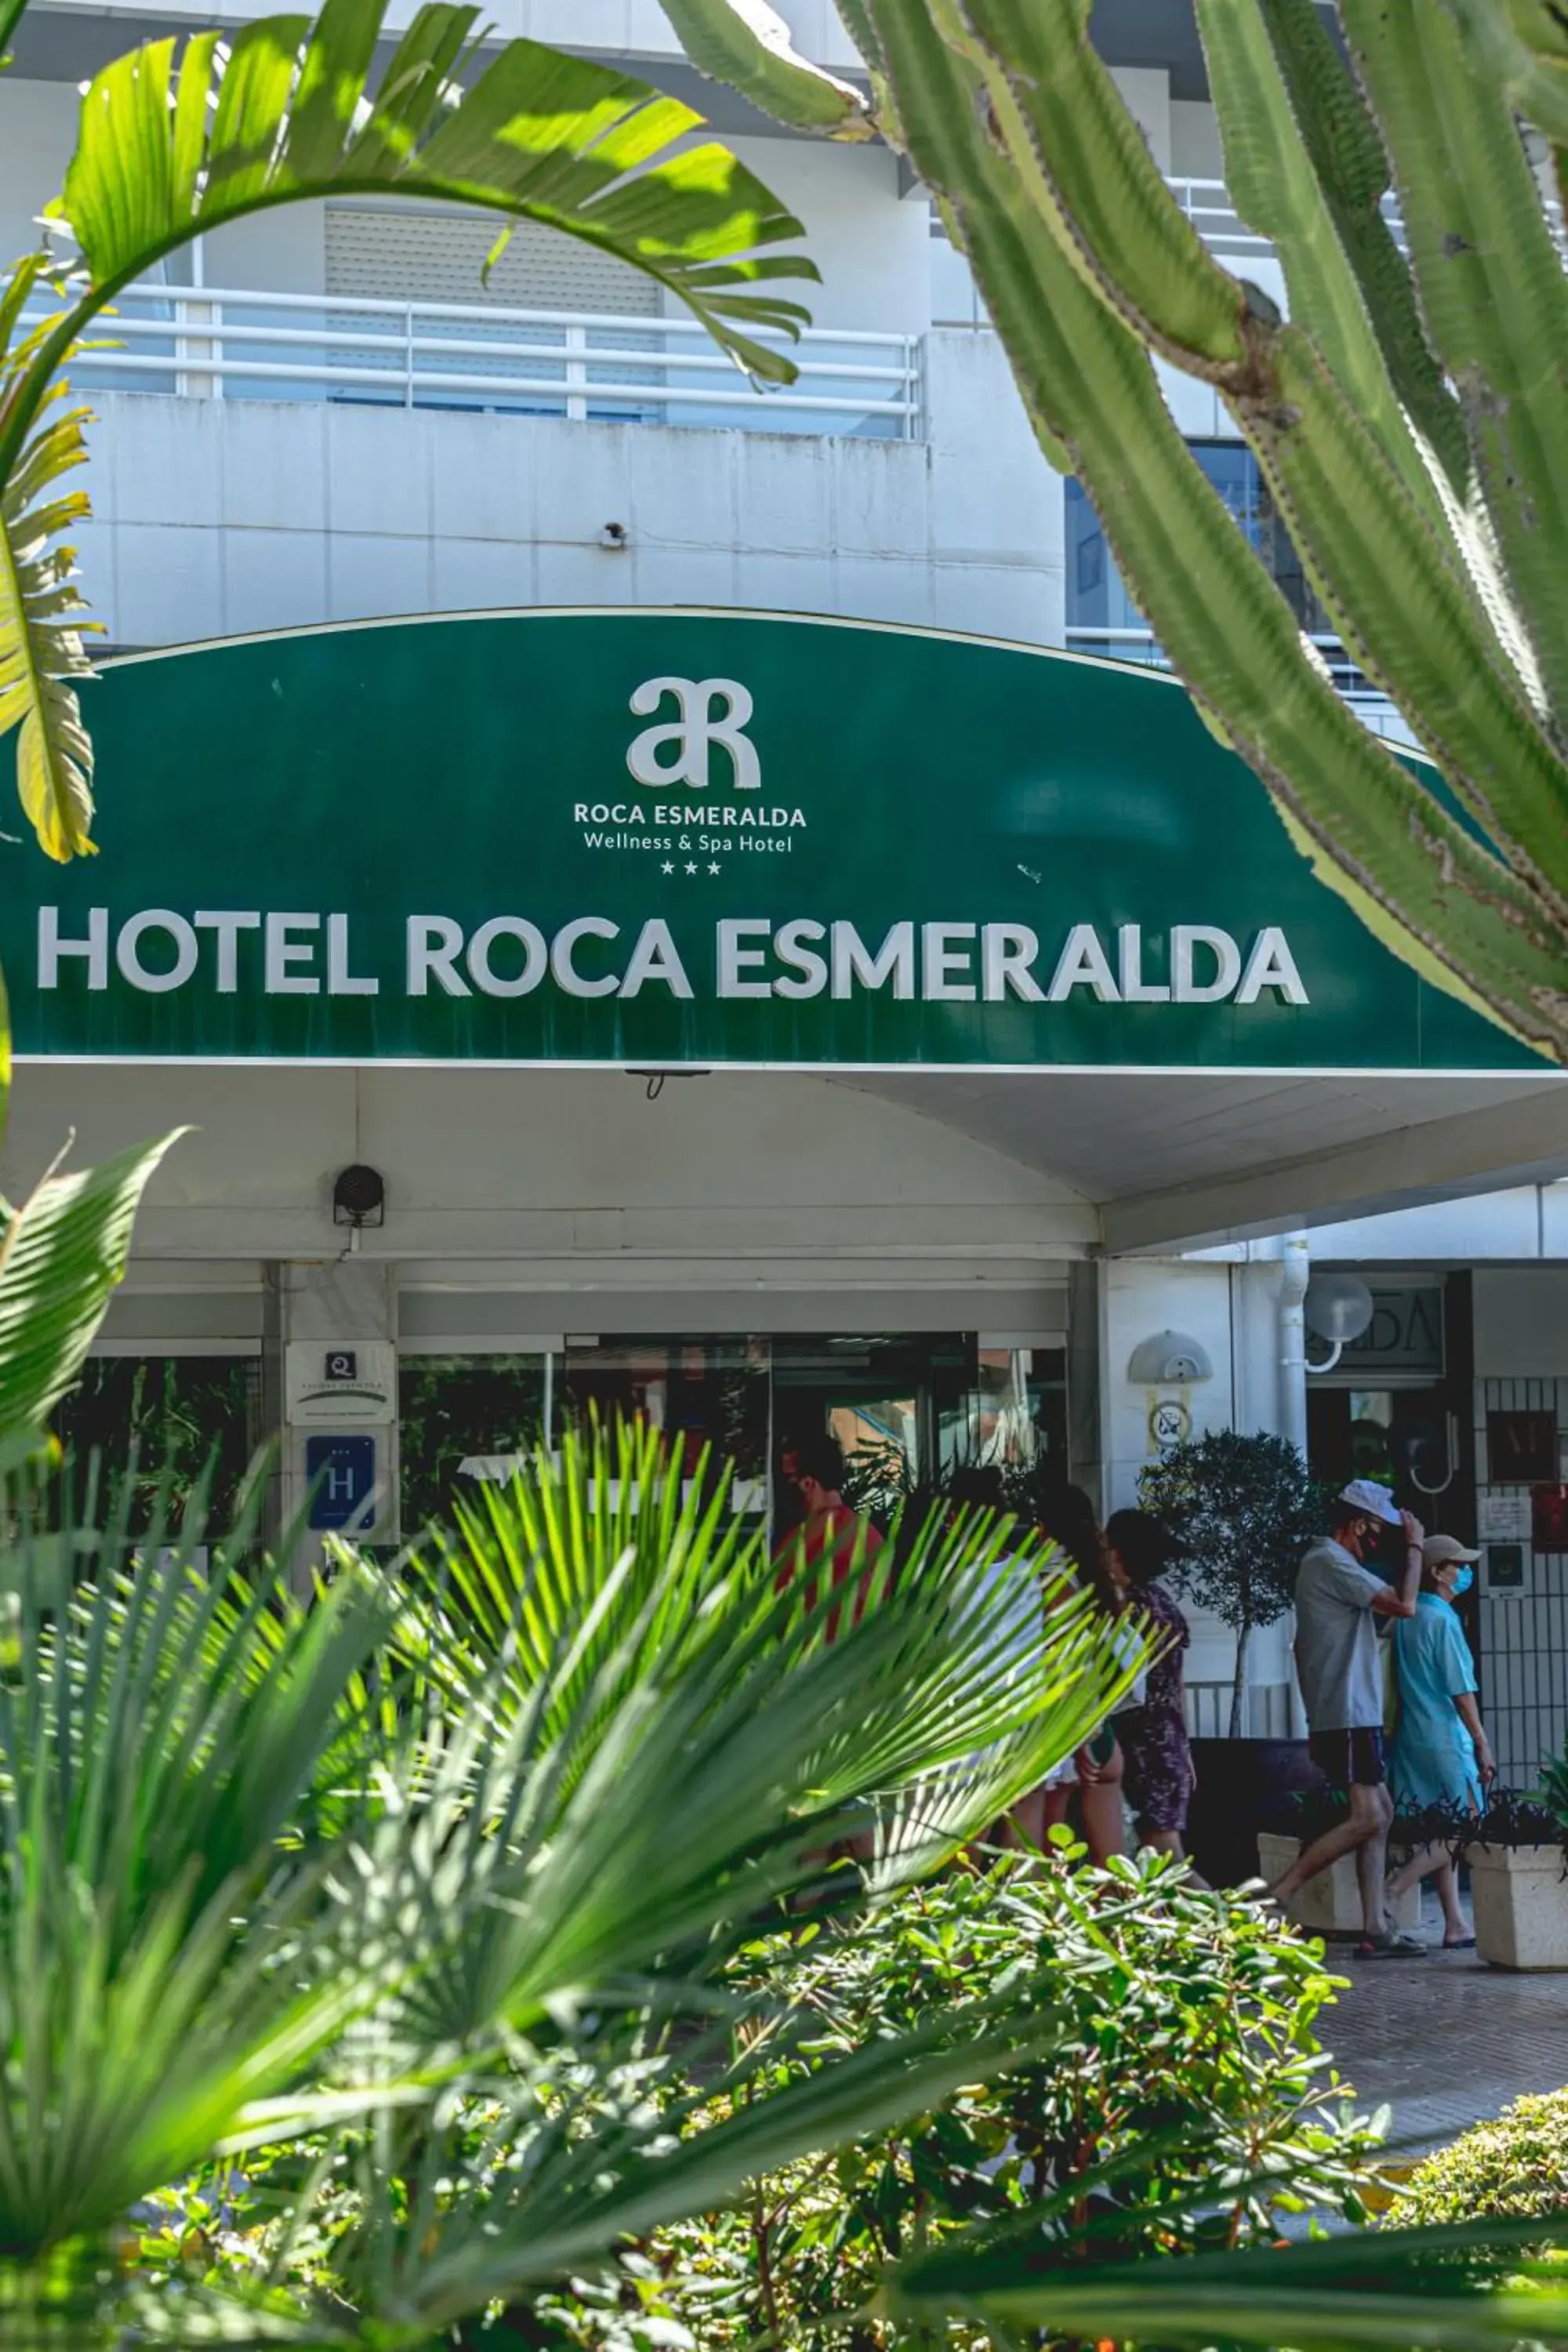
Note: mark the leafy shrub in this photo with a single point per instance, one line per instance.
(375, 1964)
(1513, 1819)
(1516, 2163)
(1184, 2102)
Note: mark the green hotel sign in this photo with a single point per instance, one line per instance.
(667, 839)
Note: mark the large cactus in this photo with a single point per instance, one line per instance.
(1410, 416)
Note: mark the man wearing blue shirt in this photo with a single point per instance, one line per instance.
(1339, 1666)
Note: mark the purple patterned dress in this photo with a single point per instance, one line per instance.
(1159, 1763)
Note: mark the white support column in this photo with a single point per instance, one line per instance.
(343, 1314)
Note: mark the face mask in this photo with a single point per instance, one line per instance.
(1463, 1580)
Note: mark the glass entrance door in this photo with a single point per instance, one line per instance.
(709, 1397)
(904, 1407)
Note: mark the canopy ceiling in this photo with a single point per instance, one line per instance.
(1183, 1159)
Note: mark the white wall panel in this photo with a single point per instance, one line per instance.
(37, 132)
(1521, 1322)
(576, 1169)
(964, 530)
(1232, 1310)
(872, 245)
(1147, 90)
(1195, 150)
(1496, 1225)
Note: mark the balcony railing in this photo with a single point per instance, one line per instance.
(1207, 205)
(223, 344)
(1374, 709)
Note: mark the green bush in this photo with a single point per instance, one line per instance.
(1188, 2104)
(1515, 2165)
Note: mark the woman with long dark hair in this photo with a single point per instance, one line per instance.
(1158, 1775)
(1065, 1515)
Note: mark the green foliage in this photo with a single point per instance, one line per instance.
(191, 1426)
(1184, 2103)
(42, 615)
(1554, 1790)
(62, 1254)
(1409, 414)
(1240, 1507)
(419, 1899)
(176, 138)
(1516, 2163)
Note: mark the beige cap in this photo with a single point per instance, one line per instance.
(1439, 1552)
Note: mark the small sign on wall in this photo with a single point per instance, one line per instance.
(1504, 1515)
(1521, 1447)
(1505, 1568)
(1549, 1518)
(341, 1384)
(341, 1472)
(1170, 1423)
(1404, 1340)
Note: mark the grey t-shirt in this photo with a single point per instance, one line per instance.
(1337, 1655)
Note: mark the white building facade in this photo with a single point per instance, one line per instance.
(325, 418)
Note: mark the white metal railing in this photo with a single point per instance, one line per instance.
(222, 342)
(1138, 644)
(1266, 1712)
(1207, 205)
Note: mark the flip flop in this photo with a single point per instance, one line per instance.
(1459, 1944)
(1391, 1947)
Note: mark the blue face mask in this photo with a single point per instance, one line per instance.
(1463, 1580)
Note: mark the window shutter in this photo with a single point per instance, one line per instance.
(389, 255)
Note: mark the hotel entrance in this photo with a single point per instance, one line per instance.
(905, 1407)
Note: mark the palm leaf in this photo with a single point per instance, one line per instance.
(41, 623)
(560, 2182)
(170, 1972)
(651, 1741)
(1476, 2287)
(176, 142)
(285, 111)
(62, 1251)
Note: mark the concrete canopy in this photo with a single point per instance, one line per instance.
(1178, 1160)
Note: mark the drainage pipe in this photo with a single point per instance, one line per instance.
(1295, 1272)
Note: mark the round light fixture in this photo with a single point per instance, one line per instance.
(1338, 1307)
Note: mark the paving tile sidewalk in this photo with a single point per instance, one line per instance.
(1444, 2040)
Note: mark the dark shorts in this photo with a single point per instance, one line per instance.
(1349, 1759)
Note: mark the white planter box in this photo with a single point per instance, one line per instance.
(1328, 1905)
(1521, 1905)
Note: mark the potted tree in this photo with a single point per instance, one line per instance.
(1240, 1508)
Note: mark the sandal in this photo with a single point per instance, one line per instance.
(1395, 1946)
(1459, 1944)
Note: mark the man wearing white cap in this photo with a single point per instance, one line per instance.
(1340, 1667)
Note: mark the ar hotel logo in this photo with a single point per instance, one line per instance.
(712, 715)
